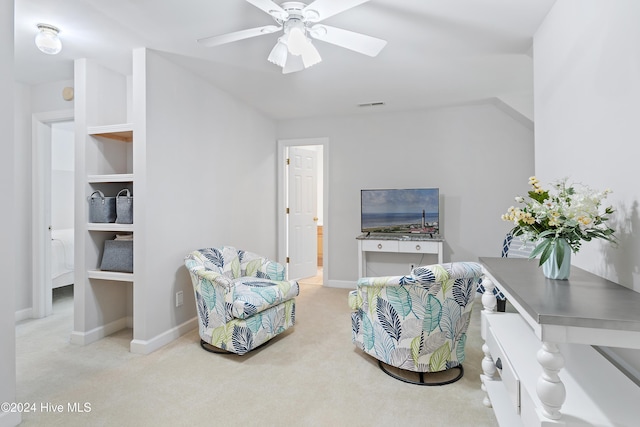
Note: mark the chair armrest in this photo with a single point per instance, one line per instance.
(214, 277)
(355, 300)
(264, 267)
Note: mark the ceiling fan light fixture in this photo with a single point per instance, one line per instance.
(297, 41)
(279, 53)
(47, 39)
(310, 55)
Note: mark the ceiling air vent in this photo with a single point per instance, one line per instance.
(371, 104)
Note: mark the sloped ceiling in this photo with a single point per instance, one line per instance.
(439, 52)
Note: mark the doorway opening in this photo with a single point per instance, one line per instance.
(302, 209)
(53, 148)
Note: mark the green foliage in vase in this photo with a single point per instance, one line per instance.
(572, 212)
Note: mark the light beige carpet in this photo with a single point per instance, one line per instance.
(312, 375)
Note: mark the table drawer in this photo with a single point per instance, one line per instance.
(380, 245)
(507, 374)
(421, 247)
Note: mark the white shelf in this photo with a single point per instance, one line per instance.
(114, 177)
(110, 275)
(109, 226)
(120, 132)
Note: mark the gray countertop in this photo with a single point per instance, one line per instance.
(585, 300)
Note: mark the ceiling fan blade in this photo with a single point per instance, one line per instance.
(323, 9)
(270, 7)
(238, 35)
(294, 63)
(357, 42)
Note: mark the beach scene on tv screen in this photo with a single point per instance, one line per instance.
(400, 211)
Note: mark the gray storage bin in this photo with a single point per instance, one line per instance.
(124, 207)
(101, 209)
(117, 256)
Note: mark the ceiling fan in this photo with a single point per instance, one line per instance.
(299, 21)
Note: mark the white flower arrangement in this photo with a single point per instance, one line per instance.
(570, 212)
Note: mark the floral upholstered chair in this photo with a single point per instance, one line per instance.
(417, 322)
(242, 299)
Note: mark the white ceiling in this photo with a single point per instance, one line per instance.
(439, 52)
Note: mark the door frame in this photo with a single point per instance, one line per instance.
(283, 144)
(41, 300)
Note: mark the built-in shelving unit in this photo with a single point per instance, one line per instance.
(104, 146)
(112, 141)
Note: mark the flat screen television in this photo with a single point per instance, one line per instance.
(412, 210)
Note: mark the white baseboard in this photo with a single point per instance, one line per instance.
(24, 314)
(10, 419)
(84, 338)
(149, 346)
(342, 284)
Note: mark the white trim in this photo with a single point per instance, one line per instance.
(149, 346)
(41, 156)
(95, 334)
(24, 314)
(282, 145)
(342, 284)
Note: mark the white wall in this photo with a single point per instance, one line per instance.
(48, 96)
(587, 104)
(62, 175)
(29, 100)
(477, 155)
(8, 256)
(210, 180)
(22, 222)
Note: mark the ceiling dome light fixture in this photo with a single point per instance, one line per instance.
(47, 39)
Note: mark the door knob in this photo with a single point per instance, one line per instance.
(315, 219)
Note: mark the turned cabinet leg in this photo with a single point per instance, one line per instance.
(489, 370)
(550, 388)
(488, 298)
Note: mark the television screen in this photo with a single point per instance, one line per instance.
(415, 210)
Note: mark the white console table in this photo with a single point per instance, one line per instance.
(408, 244)
(540, 368)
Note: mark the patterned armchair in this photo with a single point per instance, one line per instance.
(242, 299)
(417, 322)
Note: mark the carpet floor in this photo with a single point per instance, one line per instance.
(311, 375)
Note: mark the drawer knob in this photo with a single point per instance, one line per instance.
(379, 245)
(499, 363)
(418, 247)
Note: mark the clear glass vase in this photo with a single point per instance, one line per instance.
(551, 270)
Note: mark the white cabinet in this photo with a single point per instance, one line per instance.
(418, 244)
(540, 366)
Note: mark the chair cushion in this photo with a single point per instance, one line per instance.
(251, 295)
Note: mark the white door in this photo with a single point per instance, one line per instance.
(41, 175)
(302, 229)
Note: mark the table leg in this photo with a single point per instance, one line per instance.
(550, 388)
